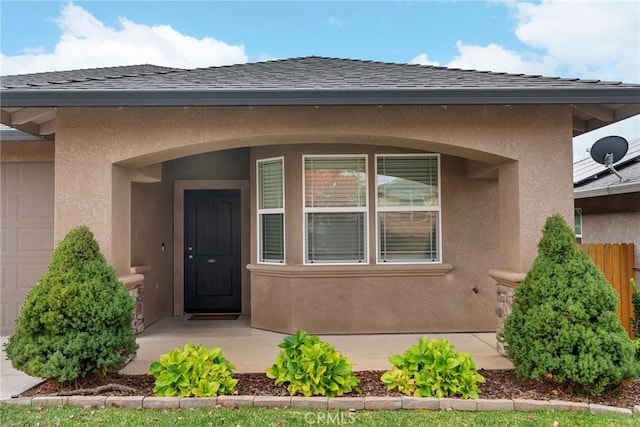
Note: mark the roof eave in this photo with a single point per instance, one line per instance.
(623, 188)
(298, 97)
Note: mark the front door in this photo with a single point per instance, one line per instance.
(212, 251)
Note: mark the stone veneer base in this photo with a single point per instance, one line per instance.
(323, 403)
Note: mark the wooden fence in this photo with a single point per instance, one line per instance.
(616, 261)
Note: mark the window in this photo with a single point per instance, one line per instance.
(408, 208)
(271, 210)
(335, 209)
(577, 216)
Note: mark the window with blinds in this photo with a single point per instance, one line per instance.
(335, 209)
(408, 208)
(271, 210)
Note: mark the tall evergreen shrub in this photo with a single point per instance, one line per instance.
(635, 301)
(564, 324)
(77, 319)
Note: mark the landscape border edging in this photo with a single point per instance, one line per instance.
(326, 404)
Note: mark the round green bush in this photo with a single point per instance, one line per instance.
(312, 367)
(564, 324)
(77, 319)
(194, 370)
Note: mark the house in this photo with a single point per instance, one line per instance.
(331, 195)
(607, 205)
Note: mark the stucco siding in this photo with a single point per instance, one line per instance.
(487, 224)
(376, 299)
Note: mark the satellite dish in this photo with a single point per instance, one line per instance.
(609, 150)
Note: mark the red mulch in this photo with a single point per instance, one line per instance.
(500, 384)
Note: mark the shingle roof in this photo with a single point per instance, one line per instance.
(588, 174)
(54, 78)
(298, 73)
(307, 81)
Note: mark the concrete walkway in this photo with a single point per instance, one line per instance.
(12, 382)
(254, 350)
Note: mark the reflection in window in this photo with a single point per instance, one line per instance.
(271, 210)
(408, 208)
(335, 209)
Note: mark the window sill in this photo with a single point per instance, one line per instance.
(351, 270)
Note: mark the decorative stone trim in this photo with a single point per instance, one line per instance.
(135, 285)
(323, 403)
(507, 282)
(505, 295)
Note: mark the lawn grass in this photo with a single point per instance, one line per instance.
(16, 415)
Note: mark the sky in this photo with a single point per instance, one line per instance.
(588, 39)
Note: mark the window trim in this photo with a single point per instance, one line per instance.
(260, 212)
(364, 209)
(577, 212)
(378, 209)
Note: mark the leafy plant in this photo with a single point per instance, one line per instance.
(193, 371)
(636, 343)
(432, 368)
(564, 324)
(77, 319)
(635, 300)
(312, 367)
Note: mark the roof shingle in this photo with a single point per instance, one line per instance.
(298, 73)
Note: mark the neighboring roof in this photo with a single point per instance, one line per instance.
(8, 134)
(592, 179)
(317, 81)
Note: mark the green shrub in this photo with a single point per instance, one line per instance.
(193, 371)
(312, 367)
(564, 324)
(635, 301)
(636, 343)
(77, 319)
(432, 368)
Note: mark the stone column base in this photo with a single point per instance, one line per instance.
(505, 289)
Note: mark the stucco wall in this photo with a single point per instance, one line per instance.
(529, 145)
(403, 298)
(151, 231)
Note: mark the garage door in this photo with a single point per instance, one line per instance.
(26, 239)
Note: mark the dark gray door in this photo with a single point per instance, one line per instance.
(212, 251)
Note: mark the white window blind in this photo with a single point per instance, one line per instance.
(271, 210)
(408, 208)
(335, 208)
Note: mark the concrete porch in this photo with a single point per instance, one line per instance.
(254, 350)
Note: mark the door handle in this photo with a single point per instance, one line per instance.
(190, 257)
(211, 260)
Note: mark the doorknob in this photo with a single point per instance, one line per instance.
(190, 257)
(211, 260)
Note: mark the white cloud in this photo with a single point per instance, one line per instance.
(87, 42)
(581, 38)
(423, 59)
(494, 57)
(335, 22)
(594, 39)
